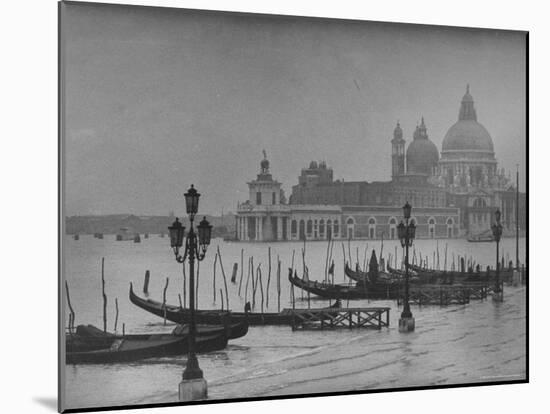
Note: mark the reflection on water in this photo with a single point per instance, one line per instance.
(478, 342)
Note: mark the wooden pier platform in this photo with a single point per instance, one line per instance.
(443, 295)
(350, 318)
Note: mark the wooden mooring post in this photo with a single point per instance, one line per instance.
(349, 318)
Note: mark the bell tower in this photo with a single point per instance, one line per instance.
(397, 153)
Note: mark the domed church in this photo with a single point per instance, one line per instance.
(468, 171)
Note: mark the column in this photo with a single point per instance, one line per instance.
(260, 227)
(245, 228)
(279, 235)
(288, 234)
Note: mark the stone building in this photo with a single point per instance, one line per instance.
(266, 216)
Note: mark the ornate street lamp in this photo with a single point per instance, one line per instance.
(406, 232)
(193, 385)
(497, 233)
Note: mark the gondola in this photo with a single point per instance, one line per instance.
(483, 237)
(382, 278)
(209, 317)
(131, 348)
(89, 338)
(236, 328)
(447, 276)
(504, 272)
(346, 292)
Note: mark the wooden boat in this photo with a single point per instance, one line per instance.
(447, 276)
(357, 275)
(235, 327)
(124, 234)
(110, 348)
(346, 292)
(363, 277)
(89, 338)
(483, 237)
(178, 315)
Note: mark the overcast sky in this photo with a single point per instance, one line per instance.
(157, 99)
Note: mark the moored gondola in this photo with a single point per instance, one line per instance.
(235, 327)
(346, 292)
(131, 348)
(449, 276)
(211, 317)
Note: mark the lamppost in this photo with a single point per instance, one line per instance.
(497, 233)
(193, 385)
(406, 232)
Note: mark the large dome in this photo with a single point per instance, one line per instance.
(422, 154)
(467, 134)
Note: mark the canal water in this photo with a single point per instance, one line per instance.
(479, 342)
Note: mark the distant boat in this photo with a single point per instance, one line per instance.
(124, 235)
(486, 236)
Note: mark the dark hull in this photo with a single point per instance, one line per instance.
(344, 292)
(454, 277)
(90, 338)
(134, 348)
(210, 317)
(356, 275)
(363, 277)
(481, 240)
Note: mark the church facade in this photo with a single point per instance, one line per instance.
(453, 195)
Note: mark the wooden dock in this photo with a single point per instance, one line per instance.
(350, 318)
(443, 295)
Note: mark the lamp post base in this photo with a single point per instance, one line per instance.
(406, 324)
(516, 278)
(193, 389)
(498, 296)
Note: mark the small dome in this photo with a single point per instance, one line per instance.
(264, 164)
(422, 154)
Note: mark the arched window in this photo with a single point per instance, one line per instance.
(329, 229)
(336, 228)
(372, 228)
(450, 224)
(293, 228)
(309, 228)
(350, 222)
(322, 229)
(431, 227)
(393, 228)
